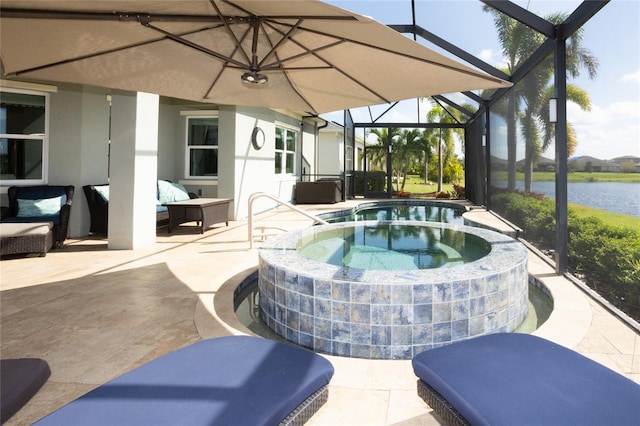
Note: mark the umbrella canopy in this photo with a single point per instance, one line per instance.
(302, 55)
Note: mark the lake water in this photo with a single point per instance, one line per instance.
(616, 197)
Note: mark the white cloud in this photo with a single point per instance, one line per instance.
(607, 132)
(493, 58)
(633, 77)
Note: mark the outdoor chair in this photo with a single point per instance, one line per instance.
(98, 201)
(41, 204)
(232, 380)
(521, 379)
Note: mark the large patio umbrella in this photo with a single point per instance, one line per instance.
(302, 55)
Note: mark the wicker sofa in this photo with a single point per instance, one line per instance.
(40, 204)
(98, 200)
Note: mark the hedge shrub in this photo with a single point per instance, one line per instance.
(606, 257)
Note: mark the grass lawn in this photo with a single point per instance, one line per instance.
(575, 177)
(609, 218)
(418, 189)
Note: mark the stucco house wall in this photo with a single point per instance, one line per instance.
(79, 132)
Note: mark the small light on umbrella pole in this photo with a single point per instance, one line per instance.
(254, 78)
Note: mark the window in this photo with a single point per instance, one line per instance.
(202, 147)
(23, 137)
(285, 160)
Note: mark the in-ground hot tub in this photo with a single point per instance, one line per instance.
(424, 285)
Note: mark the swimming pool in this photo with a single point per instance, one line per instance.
(390, 314)
(420, 210)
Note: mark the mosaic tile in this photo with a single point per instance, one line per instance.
(322, 289)
(422, 334)
(360, 351)
(341, 311)
(381, 294)
(423, 314)
(293, 300)
(422, 293)
(401, 294)
(361, 313)
(460, 310)
(307, 304)
(305, 285)
(402, 314)
(361, 334)
(360, 293)
(340, 331)
(322, 328)
(341, 348)
(380, 314)
(442, 332)
(380, 335)
(441, 313)
(401, 335)
(322, 309)
(441, 292)
(459, 329)
(461, 290)
(341, 291)
(306, 324)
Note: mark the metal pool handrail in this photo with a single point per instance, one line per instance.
(257, 195)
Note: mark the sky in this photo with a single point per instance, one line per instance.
(610, 129)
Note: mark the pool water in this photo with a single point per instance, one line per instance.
(388, 246)
(401, 210)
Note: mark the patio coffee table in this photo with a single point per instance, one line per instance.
(205, 211)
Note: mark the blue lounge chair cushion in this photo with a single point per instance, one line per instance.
(234, 380)
(20, 380)
(520, 379)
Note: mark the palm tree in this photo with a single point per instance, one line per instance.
(407, 147)
(442, 138)
(378, 157)
(518, 42)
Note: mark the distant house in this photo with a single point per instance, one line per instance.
(586, 163)
(333, 156)
(627, 163)
(543, 164)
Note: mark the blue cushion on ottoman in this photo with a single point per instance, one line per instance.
(520, 379)
(234, 380)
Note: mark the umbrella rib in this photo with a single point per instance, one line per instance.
(82, 57)
(193, 45)
(283, 39)
(313, 52)
(229, 31)
(224, 66)
(286, 75)
(428, 61)
(300, 55)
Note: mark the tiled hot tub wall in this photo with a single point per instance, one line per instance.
(390, 314)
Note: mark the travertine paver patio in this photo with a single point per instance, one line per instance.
(94, 314)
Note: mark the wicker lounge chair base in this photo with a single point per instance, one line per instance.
(307, 409)
(511, 378)
(440, 406)
(233, 380)
(26, 238)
